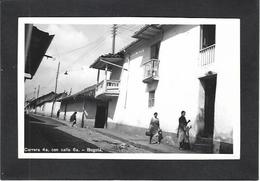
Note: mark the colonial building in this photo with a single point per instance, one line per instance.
(85, 104)
(171, 68)
(107, 90)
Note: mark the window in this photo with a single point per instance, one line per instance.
(207, 35)
(151, 99)
(155, 51)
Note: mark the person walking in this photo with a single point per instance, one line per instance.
(181, 133)
(154, 128)
(73, 119)
(58, 114)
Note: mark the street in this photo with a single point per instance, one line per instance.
(43, 136)
(47, 135)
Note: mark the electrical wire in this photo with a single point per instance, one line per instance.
(84, 46)
(86, 52)
(79, 48)
(97, 45)
(81, 56)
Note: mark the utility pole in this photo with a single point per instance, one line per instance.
(37, 96)
(114, 30)
(38, 91)
(34, 93)
(57, 76)
(70, 91)
(56, 83)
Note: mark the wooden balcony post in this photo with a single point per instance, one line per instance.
(98, 76)
(105, 81)
(65, 111)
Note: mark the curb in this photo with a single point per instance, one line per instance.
(132, 143)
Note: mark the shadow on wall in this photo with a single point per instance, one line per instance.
(152, 86)
(112, 108)
(199, 123)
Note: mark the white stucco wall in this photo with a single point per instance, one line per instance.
(179, 87)
(75, 106)
(227, 105)
(90, 108)
(177, 62)
(46, 108)
(133, 109)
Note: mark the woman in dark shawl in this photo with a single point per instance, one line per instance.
(181, 134)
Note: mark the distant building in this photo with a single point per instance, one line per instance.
(43, 105)
(171, 68)
(84, 103)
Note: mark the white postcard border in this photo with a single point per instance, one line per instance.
(111, 20)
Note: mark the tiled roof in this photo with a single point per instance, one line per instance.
(88, 92)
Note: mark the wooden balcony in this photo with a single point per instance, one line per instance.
(151, 71)
(107, 88)
(207, 56)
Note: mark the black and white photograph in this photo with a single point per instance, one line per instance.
(129, 90)
(99, 86)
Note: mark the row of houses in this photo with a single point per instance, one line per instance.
(46, 104)
(169, 68)
(82, 102)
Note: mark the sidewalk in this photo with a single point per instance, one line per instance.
(140, 140)
(133, 136)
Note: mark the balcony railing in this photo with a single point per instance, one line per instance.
(107, 88)
(207, 55)
(151, 70)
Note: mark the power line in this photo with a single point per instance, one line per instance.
(135, 28)
(82, 47)
(94, 50)
(79, 48)
(86, 52)
(97, 44)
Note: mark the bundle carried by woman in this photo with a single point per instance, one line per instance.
(154, 130)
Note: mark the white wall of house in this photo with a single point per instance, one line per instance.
(131, 108)
(179, 86)
(73, 107)
(90, 108)
(178, 49)
(46, 108)
(227, 105)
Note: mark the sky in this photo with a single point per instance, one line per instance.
(76, 47)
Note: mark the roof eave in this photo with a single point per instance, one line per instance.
(99, 64)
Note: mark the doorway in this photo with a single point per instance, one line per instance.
(101, 115)
(209, 86)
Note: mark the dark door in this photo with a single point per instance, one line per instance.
(101, 115)
(209, 85)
